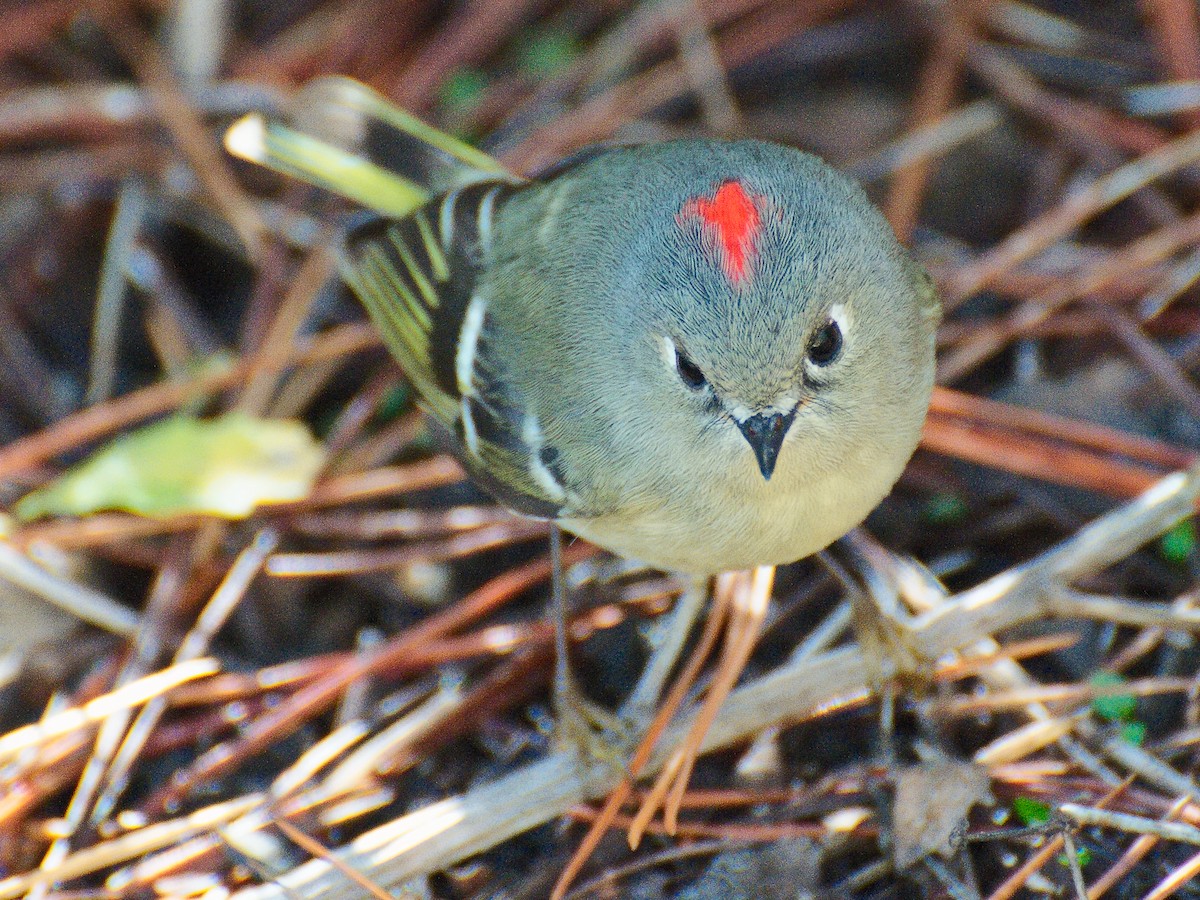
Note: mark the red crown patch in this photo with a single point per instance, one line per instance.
(731, 215)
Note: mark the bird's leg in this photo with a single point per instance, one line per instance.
(581, 724)
(667, 643)
(877, 582)
(564, 682)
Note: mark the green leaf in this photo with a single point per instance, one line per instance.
(224, 466)
(1179, 543)
(1114, 707)
(1083, 856)
(945, 509)
(393, 403)
(1134, 733)
(547, 52)
(1030, 811)
(463, 90)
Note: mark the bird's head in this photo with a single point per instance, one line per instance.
(782, 309)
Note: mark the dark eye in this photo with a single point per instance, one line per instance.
(689, 372)
(826, 344)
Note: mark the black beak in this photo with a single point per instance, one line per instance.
(765, 434)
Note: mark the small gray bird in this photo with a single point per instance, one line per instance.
(705, 355)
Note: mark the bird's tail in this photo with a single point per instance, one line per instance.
(344, 137)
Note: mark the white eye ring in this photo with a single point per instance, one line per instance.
(683, 367)
(844, 317)
(666, 349)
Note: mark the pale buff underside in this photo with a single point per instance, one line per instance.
(751, 522)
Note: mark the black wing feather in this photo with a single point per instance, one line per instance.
(420, 280)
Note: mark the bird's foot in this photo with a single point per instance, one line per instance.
(596, 736)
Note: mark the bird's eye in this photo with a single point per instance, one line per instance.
(689, 372)
(826, 344)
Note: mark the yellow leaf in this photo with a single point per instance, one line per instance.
(224, 466)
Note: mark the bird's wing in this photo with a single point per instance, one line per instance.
(348, 114)
(929, 302)
(419, 278)
(415, 267)
(342, 136)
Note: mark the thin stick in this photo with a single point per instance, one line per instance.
(750, 611)
(641, 757)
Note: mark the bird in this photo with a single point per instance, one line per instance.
(704, 355)
(701, 354)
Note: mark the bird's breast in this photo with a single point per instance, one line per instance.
(721, 514)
